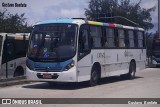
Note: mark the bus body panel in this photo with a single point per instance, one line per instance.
(139, 55)
(117, 61)
(12, 66)
(113, 62)
(110, 65)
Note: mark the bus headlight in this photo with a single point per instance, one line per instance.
(29, 65)
(69, 66)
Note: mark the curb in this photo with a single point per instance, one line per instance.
(13, 81)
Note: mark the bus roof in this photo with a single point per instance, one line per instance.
(16, 36)
(82, 21)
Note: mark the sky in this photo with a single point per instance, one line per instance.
(40, 10)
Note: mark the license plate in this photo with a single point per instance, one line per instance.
(47, 76)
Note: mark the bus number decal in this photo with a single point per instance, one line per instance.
(100, 55)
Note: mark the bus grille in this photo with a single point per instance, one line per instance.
(45, 69)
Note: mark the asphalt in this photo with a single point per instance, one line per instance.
(13, 81)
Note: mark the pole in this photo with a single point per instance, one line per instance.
(159, 18)
(6, 58)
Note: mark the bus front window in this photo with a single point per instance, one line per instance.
(56, 42)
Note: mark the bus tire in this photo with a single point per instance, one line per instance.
(131, 73)
(94, 77)
(132, 70)
(19, 72)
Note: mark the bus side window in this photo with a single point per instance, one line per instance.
(131, 39)
(144, 40)
(121, 37)
(20, 50)
(126, 38)
(140, 40)
(8, 52)
(110, 38)
(96, 37)
(135, 39)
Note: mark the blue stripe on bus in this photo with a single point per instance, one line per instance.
(51, 66)
(57, 21)
(105, 24)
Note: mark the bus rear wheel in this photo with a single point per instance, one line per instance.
(94, 77)
(132, 71)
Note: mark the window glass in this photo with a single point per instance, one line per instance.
(121, 38)
(96, 35)
(140, 39)
(10, 49)
(20, 48)
(140, 43)
(109, 38)
(52, 42)
(131, 38)
(85, 39)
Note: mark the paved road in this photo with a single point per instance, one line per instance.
(146, 85)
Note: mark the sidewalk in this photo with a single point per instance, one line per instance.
(13, 81)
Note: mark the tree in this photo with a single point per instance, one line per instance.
(131, 11)
(10, 23)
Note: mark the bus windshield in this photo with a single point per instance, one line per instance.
(52, 42)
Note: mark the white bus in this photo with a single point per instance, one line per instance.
(13, 54)
(76, 50)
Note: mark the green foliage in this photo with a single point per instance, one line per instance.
(10, 23)
(125, 8)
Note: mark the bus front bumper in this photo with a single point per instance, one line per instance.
(65, 76)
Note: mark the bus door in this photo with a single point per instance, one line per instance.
(8, 56)
(84, 57)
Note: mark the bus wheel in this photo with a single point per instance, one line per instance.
(132, 71)
(19, 72)
(94, 77)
